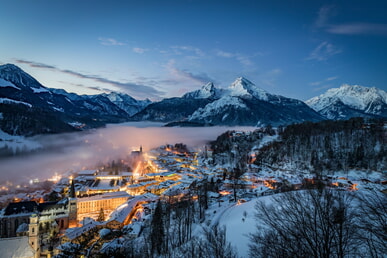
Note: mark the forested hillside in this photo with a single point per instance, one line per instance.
(329, 146)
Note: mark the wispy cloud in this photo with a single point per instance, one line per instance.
(331, 78)
(349, 28)
(323, 84)
(139, 50)
(36, 64)
(181, 75)
(225, 54)
(196, 51)
(110, 42)
(243, 59)
(137, 90)
(324, 13)
(358, 29)
(324, 51)
(323, 87)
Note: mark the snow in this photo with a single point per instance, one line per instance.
(355, 96)
(58, 109)
(206, 91)
(217, 107)
(40, 90)
(16, 247)
(239, 226)
(104, 232)
(4, 83)
(11, 101)
(241, 87)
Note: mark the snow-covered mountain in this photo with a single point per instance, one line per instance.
(208, 91)
(29, 99)
(350, 101)
(243, 103)
(130, 105)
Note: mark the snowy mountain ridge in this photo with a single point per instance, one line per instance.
(19, 88)
(336, 102)
(17, 76)
(242, 87)
(243, 103)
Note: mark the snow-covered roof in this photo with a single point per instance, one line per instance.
(16, 247)
(87, 172)
(104, 196)
(122, 212)
(73, 233)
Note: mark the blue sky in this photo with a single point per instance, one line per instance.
(158, 49)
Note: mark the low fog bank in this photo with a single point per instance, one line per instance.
(82, 150)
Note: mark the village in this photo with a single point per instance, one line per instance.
(95, 208)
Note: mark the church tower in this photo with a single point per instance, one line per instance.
(33, 234)
(72, 206)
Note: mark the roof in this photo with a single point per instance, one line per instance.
(122, 212)
(30, 206)
(104, 196)
(21, 207)
(87, 172)
(16, 247)
(73, 233)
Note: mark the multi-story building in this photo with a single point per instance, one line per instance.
(91, 206)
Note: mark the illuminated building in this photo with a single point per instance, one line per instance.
(91, 206)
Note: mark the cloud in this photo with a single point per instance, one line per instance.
(35, 64)
(184, 76)
(327, 86)
(197, 51)
(137, 90)
(331, 78)
(323, 51)
(323, 83)
(358, 29)
(243, 59)
(324, 13)
(139, 50)
(351, 28)
(221, 53)
(110, 42)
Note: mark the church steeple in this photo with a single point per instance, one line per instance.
(72, 189)
(140, 148)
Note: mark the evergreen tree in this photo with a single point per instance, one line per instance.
(101, 216)
(157, 230)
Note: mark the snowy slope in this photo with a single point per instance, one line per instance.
(239, 226)
(242, 87)
(5, 83)
(243, 103)
(130, 105)
(207, 91)
(217, 107)
(339, 103)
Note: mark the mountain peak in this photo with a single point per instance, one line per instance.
(369, 100)
(242, 87)
(206, 91)
(10, 67)
(17, 76)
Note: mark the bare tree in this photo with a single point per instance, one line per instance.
(373, 222)
(310, 223)
(215, 244)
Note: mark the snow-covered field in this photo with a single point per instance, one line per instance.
(239, 220)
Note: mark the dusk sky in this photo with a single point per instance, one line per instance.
(158, 49)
